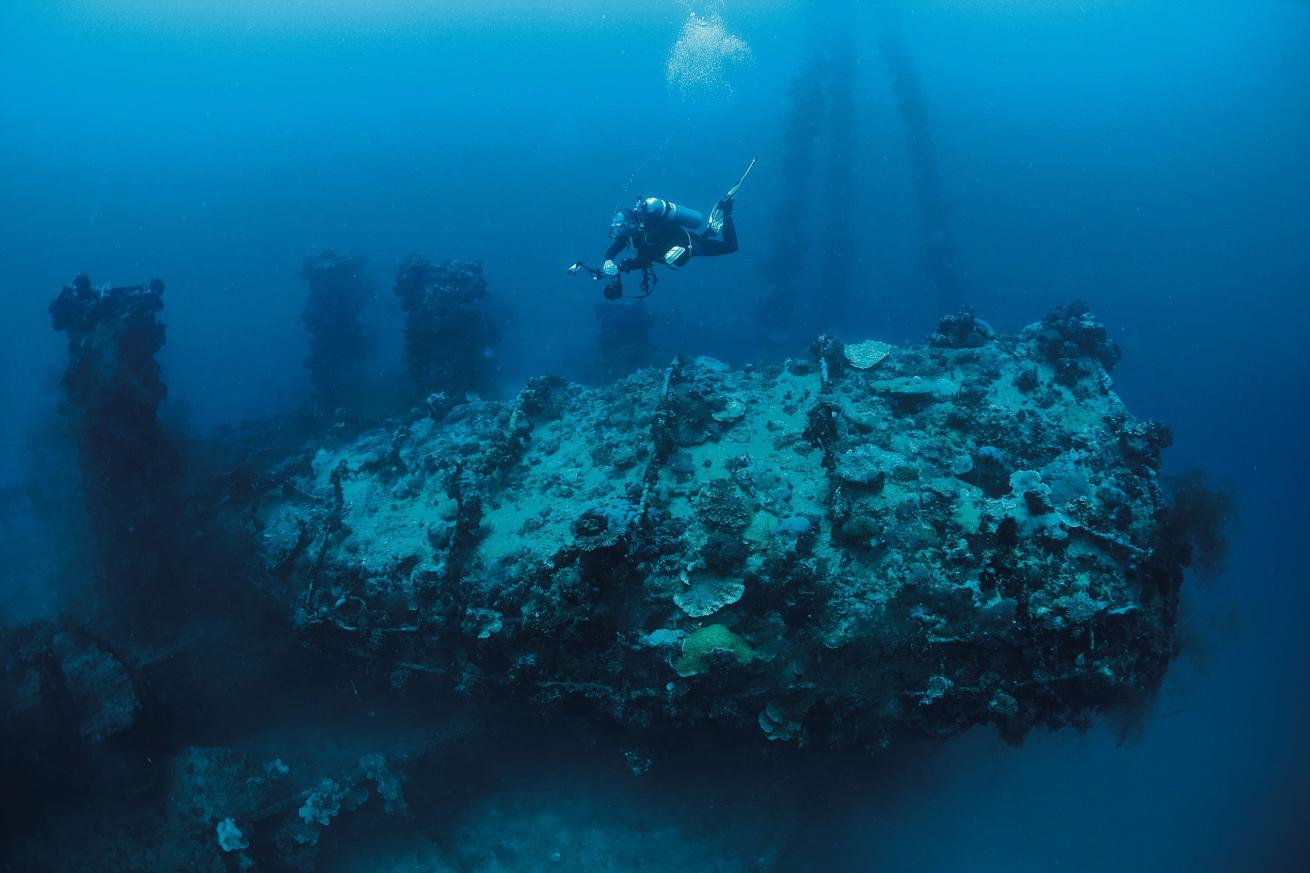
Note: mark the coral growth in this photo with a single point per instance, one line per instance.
(1069, 337)
(899, 547)
(712, 641)
(1200, 516)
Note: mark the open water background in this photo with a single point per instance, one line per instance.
(1149, 157)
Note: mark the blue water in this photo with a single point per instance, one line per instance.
(1149, 157)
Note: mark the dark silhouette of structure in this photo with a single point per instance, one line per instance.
(839, 174)
(331, 316)
(777, 310)
(449, 334)
(934, 210)
(819, 152)
(129, 468)
(623, 338)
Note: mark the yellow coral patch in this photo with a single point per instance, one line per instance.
(697, 647)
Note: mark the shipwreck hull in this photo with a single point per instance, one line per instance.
(873, 543)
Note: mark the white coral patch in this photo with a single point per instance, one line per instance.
(864, 355)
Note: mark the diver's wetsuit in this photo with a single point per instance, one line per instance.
(654, 241)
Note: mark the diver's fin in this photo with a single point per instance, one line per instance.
(716, 215)
(732, 192)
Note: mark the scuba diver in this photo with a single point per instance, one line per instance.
(660, 231)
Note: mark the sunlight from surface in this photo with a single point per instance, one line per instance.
(298, 16)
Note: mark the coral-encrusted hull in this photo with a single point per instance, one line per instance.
(961, 533)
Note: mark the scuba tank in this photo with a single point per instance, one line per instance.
(683, 216)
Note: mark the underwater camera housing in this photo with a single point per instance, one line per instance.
(613, 289)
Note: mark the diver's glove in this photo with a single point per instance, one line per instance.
(609, 268)
(721, 211)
